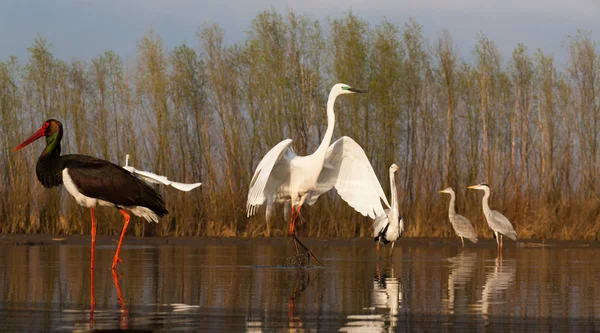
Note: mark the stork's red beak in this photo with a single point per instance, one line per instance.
(35, 136)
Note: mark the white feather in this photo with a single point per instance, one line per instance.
(271, 170)
(353, 177)
(152, 178)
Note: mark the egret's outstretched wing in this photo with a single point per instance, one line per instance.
(348, 169)
(270, 172)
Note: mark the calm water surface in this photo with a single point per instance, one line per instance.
(253, 285)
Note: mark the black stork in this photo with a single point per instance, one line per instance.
(93, 182)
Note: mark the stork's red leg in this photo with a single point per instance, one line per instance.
(118, 287)
(92, 260)
(117, 259)
(93, 232)
(121, 301)
(92, 298)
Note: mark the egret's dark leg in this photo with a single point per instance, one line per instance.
(294, 216)
(292, 233)
(307, 250)
(117, 259)
(292, 228)
(462, 240)
(392, 250)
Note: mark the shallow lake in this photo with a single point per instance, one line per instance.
(254, 285)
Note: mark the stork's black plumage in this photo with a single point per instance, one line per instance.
(100, 179)
(93, 181)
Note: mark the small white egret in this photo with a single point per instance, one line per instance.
(389, 227)
(462, 226)
(150, 177)
(282, 176)
(497, 222)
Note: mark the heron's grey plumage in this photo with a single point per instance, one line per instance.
(496, 221)
(462, 226)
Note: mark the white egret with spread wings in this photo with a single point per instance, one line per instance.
(282, 176)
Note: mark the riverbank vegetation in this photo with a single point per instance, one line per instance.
(207, 111)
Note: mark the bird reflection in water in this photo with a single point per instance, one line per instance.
(386, 303)
(462, 267)
(497, 281)
(124, 313)
(92, 298)
(387, 292)
(302, 282)
(123, 320)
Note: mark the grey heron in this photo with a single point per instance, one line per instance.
(462, 226)
(389, 227)
(497, 222)
(283, 177)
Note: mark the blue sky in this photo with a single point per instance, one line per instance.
(82, 29)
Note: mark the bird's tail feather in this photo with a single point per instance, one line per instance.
(512, 235)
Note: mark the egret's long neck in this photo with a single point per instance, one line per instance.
(451, 210)
(322, 150)
(393, 190)
(486, 206)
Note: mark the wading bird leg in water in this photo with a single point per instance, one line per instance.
(117, 259)
(291, 230)
(92, 298)
(462, 240)
(121, 300)
(497, 240)
(93, 232)
(292, 233)
(392, 250)
(115, 277)
(92, 283)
